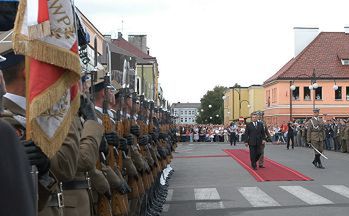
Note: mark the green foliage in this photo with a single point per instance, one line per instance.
(213, 98)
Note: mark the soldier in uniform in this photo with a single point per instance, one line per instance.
(345, 137)
(77, 194)
(61, 166)
(118, 184)
(316, 136)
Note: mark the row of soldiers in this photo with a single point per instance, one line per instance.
(334, 129)
(115, 158)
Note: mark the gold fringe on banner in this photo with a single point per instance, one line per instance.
(41, 50)
(47, 53)
(40, 30)
(48, 98)
(39, 136)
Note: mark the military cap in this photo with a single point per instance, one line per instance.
(316, 110)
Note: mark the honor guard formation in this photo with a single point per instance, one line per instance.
(114, 160)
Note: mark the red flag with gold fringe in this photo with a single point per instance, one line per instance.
(54, 71)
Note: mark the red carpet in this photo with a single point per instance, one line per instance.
(202, 156)
(273, 171)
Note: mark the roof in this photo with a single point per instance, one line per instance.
(124, 44)
(323, 55)
(115, 49)
(186, 105)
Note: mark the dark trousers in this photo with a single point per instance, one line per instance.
(233, 138)
(337, 145)
(290, 138)
(255, 153)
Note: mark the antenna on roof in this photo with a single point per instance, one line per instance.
(122, 25)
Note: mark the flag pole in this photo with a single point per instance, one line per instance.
(34, 170)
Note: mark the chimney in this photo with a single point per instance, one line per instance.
(119, 35)
(303, 36)
(139, 41)
(107, 37)
(346, 29)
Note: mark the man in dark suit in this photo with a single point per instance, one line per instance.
(255, 138)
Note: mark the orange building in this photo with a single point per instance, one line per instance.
(318, 76)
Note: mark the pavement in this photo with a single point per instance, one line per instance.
(211, 186)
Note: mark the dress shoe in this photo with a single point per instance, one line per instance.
(315, 164)
(320, 166)
(261, 166)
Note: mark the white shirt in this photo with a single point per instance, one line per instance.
(21, 102)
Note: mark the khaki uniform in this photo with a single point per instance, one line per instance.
(63, 164)
(316, 133)
(77, 197)
(345, 138)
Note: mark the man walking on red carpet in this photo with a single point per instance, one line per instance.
(267, 136)
(255, 138)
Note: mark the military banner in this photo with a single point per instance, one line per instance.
(54, 71)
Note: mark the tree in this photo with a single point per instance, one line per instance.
(213, 115)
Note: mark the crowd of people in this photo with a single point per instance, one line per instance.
(211, 133)
(290, 133)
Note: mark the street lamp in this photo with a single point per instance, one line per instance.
(217, 115)
(202, 110)
(312, 87)
(210, 106)
(210, 117)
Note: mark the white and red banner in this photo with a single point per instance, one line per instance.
(54, 69)
(38, 19)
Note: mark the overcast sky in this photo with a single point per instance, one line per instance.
(203, 43)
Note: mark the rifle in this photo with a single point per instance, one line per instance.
(143, 184)
(103, 204)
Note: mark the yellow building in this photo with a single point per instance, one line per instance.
(240, 102)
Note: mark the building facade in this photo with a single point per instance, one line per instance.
(317, 76)
(240, 102)
(147, 72)
(185, 112)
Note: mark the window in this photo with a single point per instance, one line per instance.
(273, 95)
(185, 119)
(318, 93)
(347, 92)
(138, 85)
(267, 99)
(185, 112)
(345, 61)
(295, 94)
(338, 93)
(181, 112)
(181, 119)
(307, 93)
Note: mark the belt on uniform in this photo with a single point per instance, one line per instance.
(57, 200)
(77, 185)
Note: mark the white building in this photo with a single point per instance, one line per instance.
(185, 112)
